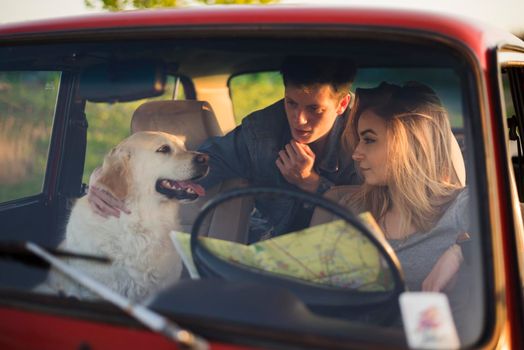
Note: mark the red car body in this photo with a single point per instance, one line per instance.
(26, 324)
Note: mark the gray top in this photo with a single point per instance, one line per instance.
(419, 252)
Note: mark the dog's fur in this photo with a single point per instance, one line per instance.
(143, 258)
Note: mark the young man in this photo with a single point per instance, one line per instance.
(293, 143)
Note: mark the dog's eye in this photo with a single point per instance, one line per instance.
(164, 149)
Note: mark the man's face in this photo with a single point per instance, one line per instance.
(311, 111)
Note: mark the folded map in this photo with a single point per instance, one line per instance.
(333, 254)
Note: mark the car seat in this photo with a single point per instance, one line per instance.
(194, 122)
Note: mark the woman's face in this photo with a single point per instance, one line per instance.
(371, 151)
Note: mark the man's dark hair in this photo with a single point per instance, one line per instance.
(310, 70)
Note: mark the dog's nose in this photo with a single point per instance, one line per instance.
(201, 158)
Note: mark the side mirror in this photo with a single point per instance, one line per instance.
(120, 81)
(337, 265)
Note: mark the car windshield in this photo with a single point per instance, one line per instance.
(161, 127)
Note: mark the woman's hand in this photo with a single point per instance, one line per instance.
(444, 270)
(103, 202)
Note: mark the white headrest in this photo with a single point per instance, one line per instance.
(192, 121)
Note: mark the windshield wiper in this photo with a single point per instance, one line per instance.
(28, 252)
(18, 251)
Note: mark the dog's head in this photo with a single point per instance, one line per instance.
(153, 163)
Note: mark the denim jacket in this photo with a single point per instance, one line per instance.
(250, 152)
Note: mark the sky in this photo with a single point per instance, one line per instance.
(505, 14)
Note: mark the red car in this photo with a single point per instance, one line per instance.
(72, 88)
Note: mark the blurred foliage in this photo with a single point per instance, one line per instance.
(111, 123)
(508, 101)
(27, 103)
(108, 125)
(238, 2)
(250, 92)
(120, 5)
(445, 82)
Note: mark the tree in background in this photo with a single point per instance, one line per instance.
(119, 5)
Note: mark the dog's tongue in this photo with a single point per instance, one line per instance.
(195, 187)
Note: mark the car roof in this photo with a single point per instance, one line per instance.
(222, 15)
(252, 19)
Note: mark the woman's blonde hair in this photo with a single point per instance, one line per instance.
(421, 177)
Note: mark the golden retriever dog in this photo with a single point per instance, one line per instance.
(152, 173)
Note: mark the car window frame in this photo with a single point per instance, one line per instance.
(510, 59)
(71, 102)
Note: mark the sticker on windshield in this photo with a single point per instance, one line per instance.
(428, 323)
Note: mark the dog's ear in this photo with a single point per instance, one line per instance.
(116, 173)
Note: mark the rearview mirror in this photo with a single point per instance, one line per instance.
(119, 81)
(336, 264)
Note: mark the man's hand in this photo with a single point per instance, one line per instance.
(295, 163)
(101, 201)
(444, 270)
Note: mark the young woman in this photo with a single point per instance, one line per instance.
(401, 139)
